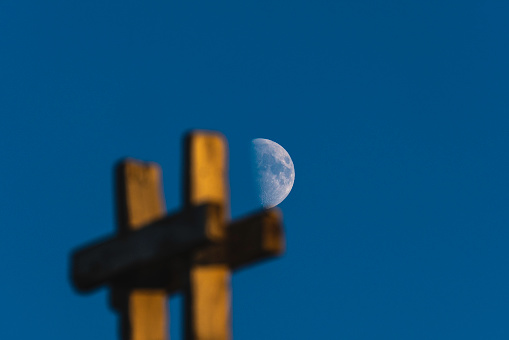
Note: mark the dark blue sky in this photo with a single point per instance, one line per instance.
(395, 114)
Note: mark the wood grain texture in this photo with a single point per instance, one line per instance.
(207, 287)
(140, 201)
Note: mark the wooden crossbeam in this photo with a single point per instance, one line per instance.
(171, 240)
(254, 238)
(160, 241)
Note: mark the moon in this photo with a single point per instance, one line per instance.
(273, 170)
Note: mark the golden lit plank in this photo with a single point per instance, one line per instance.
(140, 201)
(207, 286)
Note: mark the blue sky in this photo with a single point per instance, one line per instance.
(395, 114)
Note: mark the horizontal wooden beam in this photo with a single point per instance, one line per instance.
(250, 240)
(255, 238)
(158, 242)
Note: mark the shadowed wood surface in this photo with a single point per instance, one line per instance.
(140, 201)
(158, 242)
(255, 238)
(207, 286)
(249, 240)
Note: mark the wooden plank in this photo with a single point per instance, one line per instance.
(207, 287)
(159, 242)
(250, 240)
(208, 302)
(143, 313)
(255, 238)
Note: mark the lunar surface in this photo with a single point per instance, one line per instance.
(274, 172)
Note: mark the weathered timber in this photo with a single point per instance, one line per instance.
(143, 313)
(159, 241)
(207, 286)
(255, 238)
(249, 240)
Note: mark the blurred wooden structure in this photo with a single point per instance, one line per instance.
(192, 251)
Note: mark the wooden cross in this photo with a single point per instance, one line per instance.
(192, 251)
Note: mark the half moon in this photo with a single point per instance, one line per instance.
(274, 171)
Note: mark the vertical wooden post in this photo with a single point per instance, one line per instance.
(207, 283)
(140, 200)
